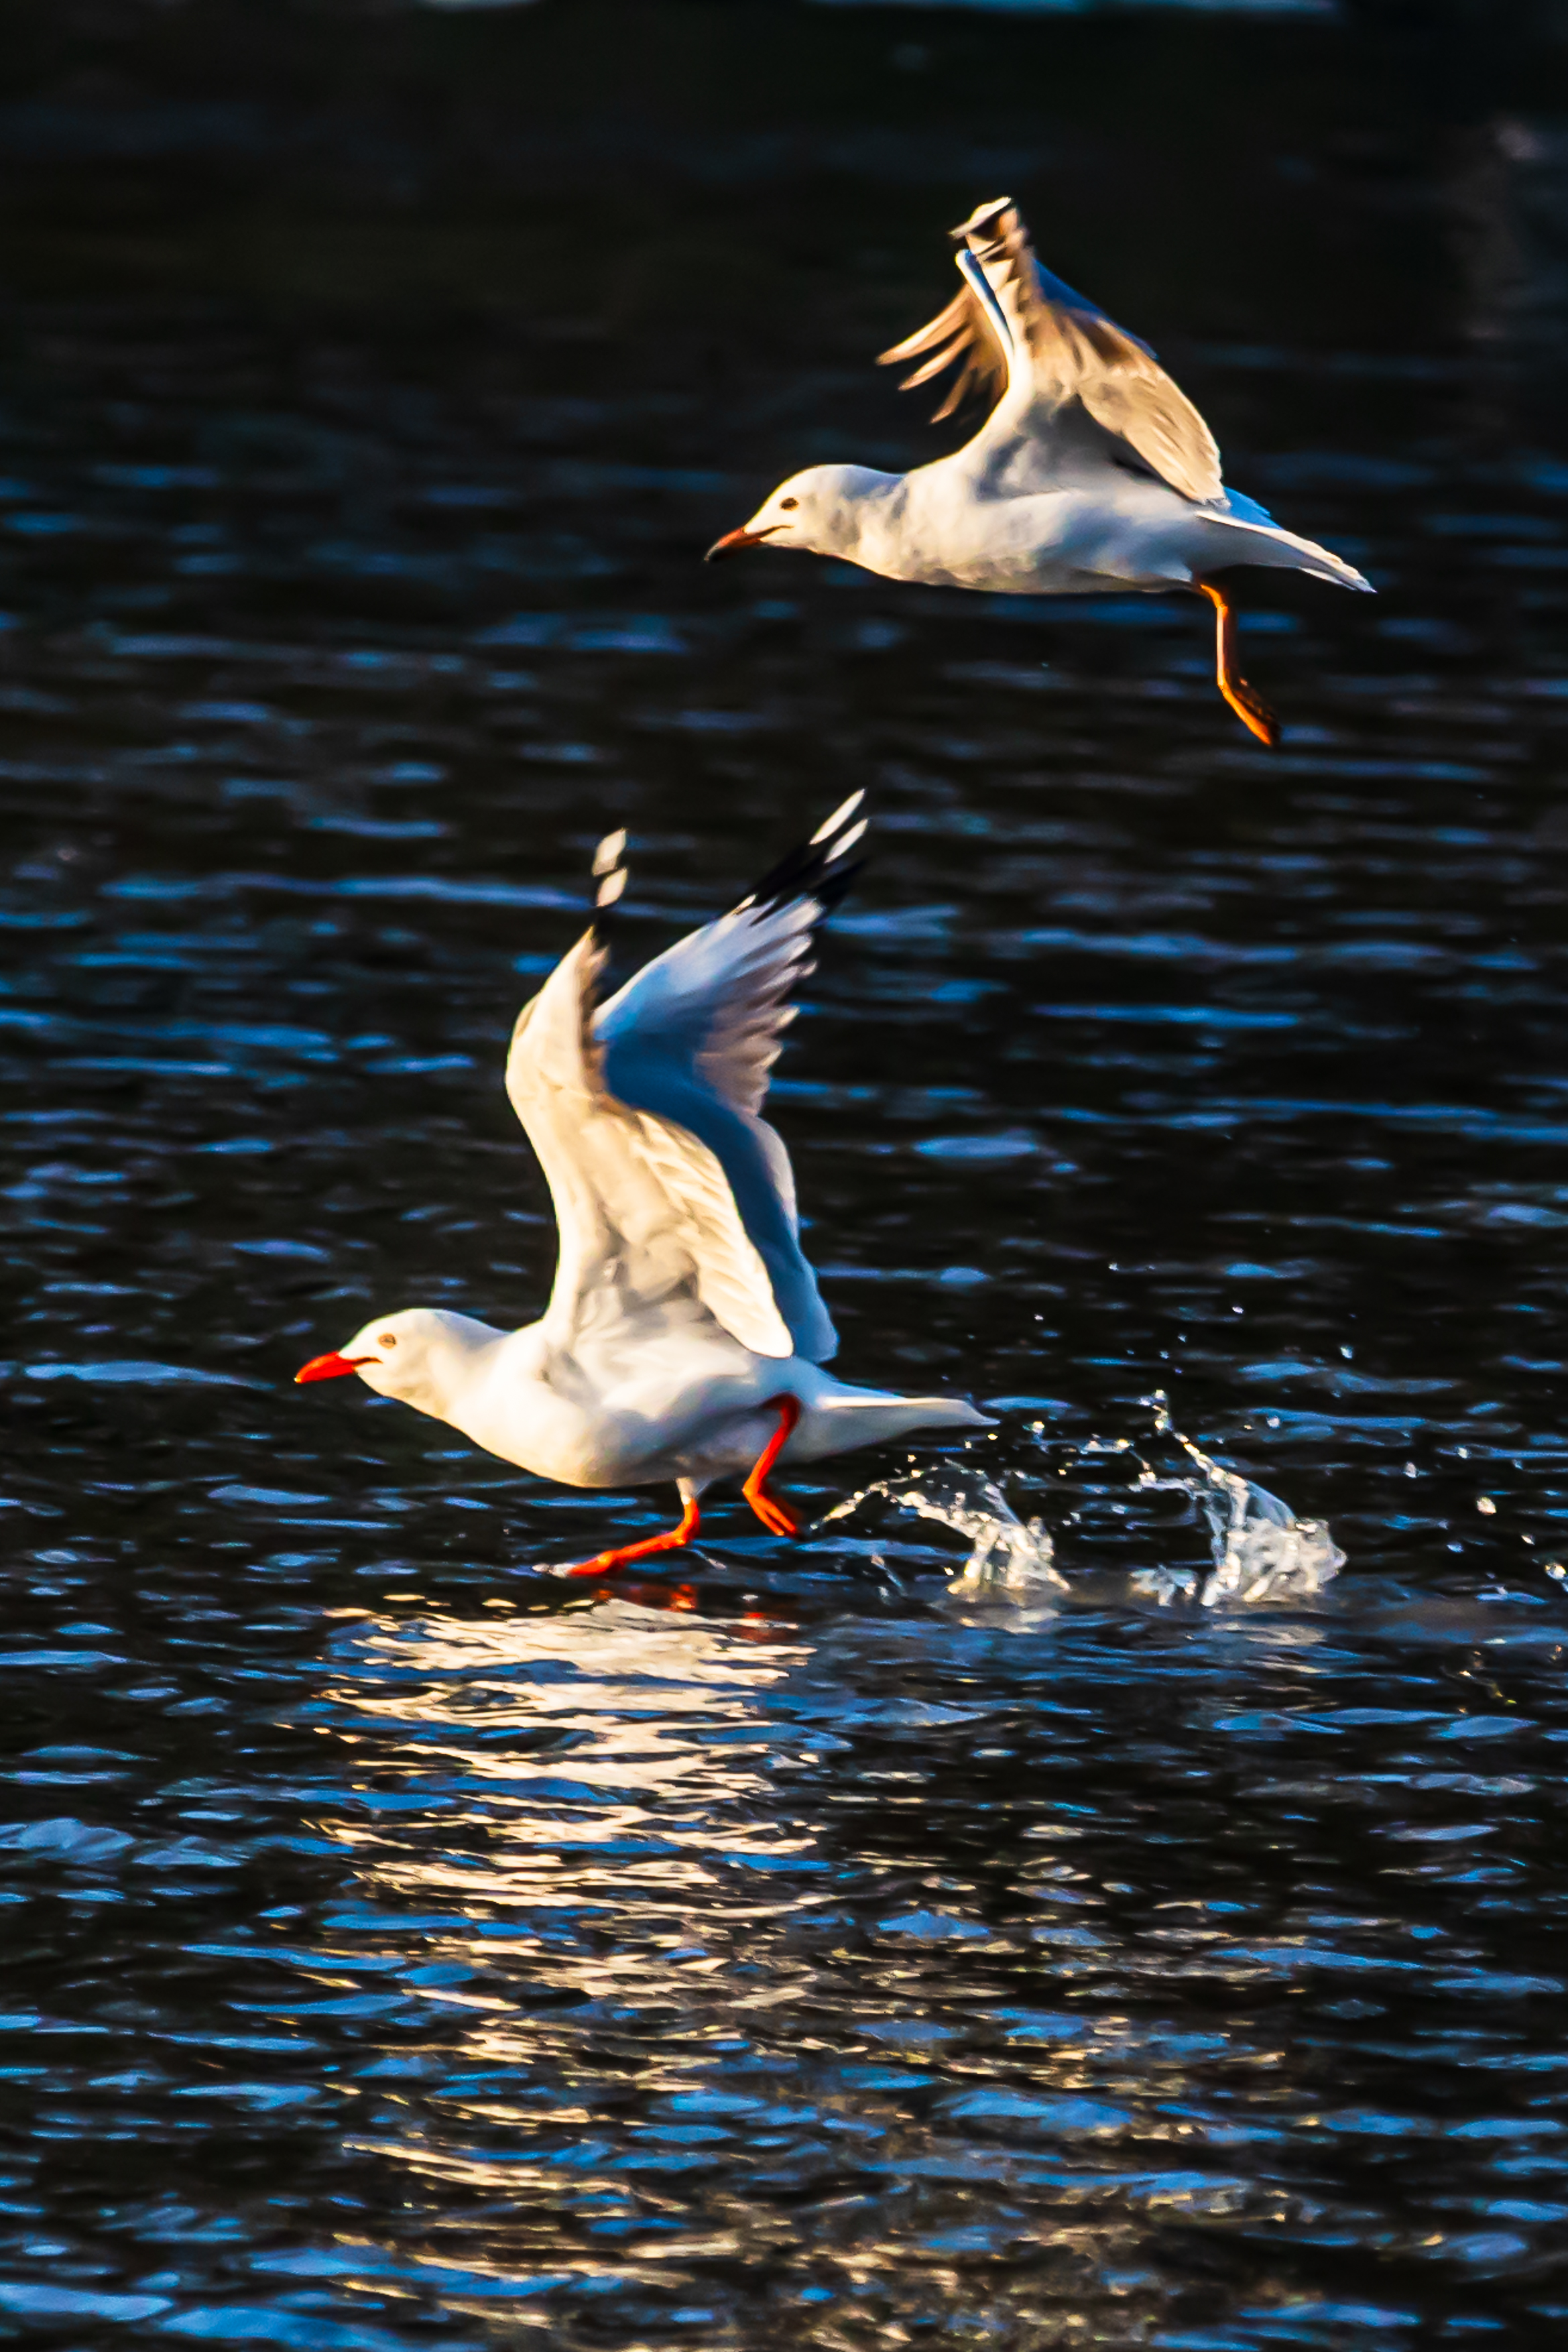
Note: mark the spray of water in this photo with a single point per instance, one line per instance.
(1009, 1559)
(1261, 1552)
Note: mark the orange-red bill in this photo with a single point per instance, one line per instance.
(734, 540)
(328, 1368)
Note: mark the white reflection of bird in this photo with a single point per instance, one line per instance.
(683, 1337)
(1093, 473)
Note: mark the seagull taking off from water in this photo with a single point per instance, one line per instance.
(1092, 474)
(684, 1338)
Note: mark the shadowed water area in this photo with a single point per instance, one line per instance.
(1147, 1937)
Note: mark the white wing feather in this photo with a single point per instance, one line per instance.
(646, 1213)
(694, 1036)
(645, 1115)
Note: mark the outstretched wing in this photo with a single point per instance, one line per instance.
(644, 1118)
(694, 1036)
(1025, 337)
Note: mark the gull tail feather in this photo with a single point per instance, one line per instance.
(1264, 543)
(839, 1425)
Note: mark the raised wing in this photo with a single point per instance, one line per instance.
(1025, 337)
(694, 1036)
(644, 1118)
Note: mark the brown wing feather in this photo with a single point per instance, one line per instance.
(960, 332)
(1138, 401)
(1074, 351)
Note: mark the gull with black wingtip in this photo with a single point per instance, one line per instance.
(1093, 473)
(684, 1338)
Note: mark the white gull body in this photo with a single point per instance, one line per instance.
(684, 1338)
(1093, 473)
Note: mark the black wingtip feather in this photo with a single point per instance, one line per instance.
(819, 868)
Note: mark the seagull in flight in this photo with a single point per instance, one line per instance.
(1092, 474)
(684, 1338)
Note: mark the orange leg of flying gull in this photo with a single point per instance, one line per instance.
(1250, 707)
(775, 1516)
(671, 1540)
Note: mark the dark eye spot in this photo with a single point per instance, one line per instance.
(788, 503)
(387, 1340)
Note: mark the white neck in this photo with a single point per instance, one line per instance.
(865, 506)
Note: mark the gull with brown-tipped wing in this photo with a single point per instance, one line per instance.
(1092, 474)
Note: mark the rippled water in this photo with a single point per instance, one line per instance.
(1052, 1906)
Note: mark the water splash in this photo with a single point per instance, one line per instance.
(1009, 1559)
(1261, 1550)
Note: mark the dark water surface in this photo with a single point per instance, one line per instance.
(398, 1949)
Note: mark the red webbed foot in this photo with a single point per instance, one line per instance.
(605, 1563)
(771, 1509)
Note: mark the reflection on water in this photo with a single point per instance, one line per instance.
(912, 1971)
(1074, 1896)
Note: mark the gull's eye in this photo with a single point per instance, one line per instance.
(387, 1340)
(788, 503)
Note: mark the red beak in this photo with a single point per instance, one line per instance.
(330, 1368)
(734, 540)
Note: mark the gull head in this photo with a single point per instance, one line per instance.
(414, 1355)
(820, 512)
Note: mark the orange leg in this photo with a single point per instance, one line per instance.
(776, 1517)
(1250, 707)
(604, 1562)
